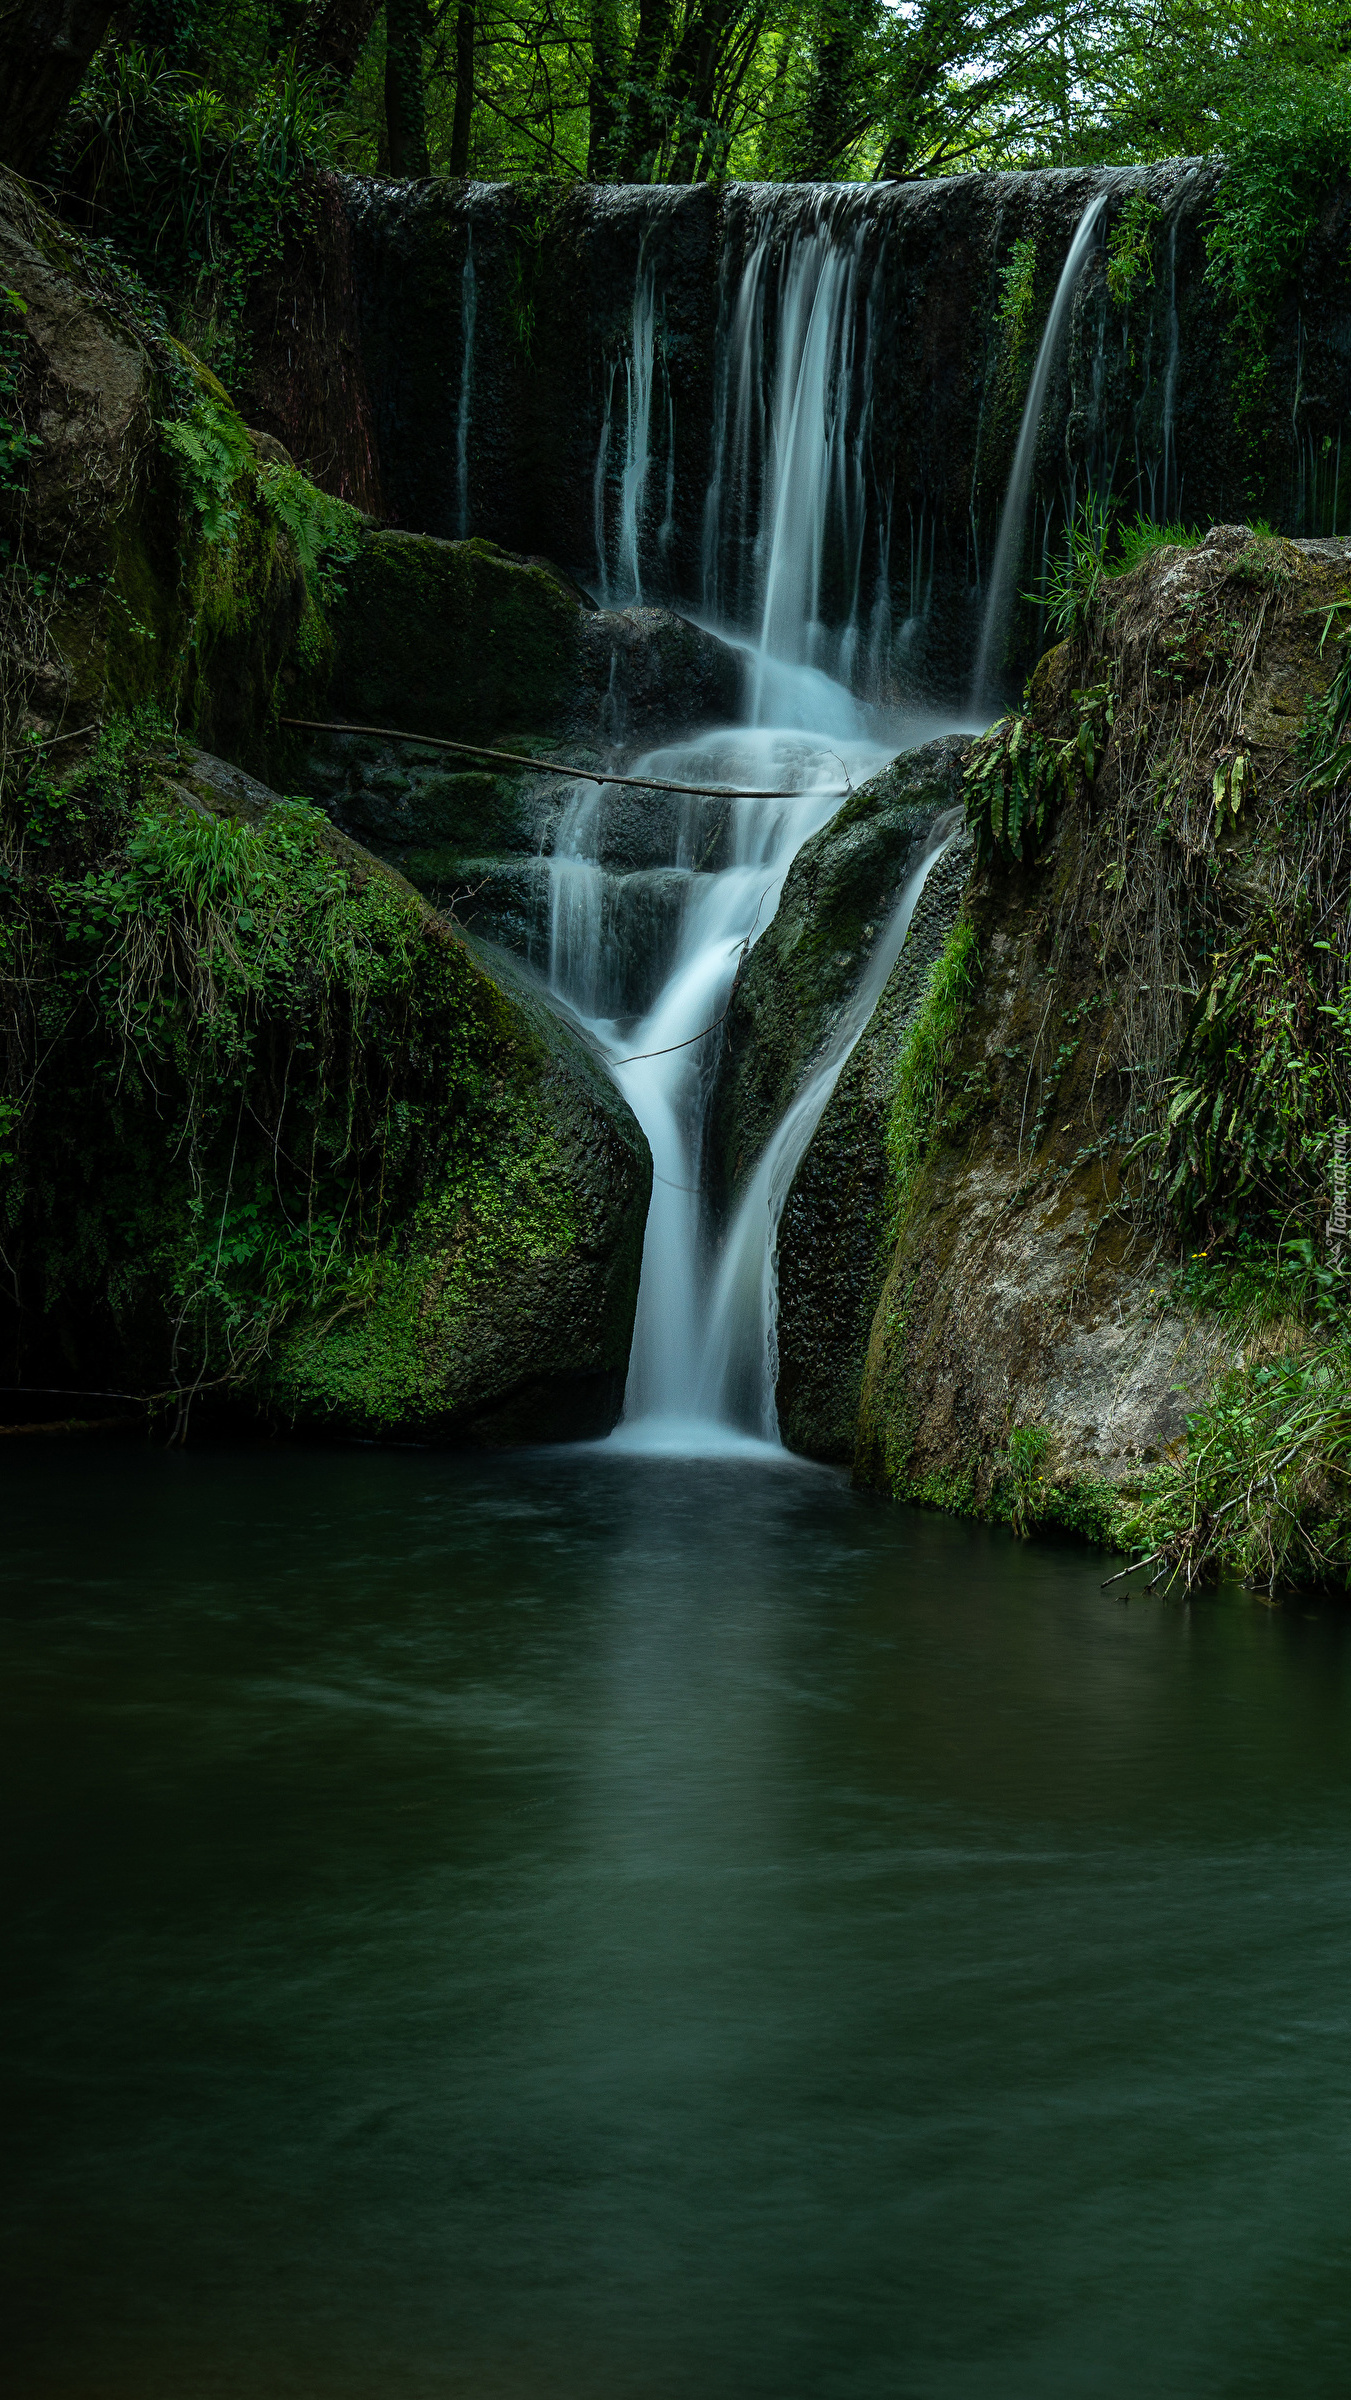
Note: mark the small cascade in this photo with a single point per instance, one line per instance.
(663, 1049)
(623, 556)
(788, 508)
(740, 1367)
(638, 369)
(1013, 522)
(468, 319)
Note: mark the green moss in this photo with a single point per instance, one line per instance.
(420, 620)
(1025, 1498)
(925, 1055)
(951, 1489)
(245, 1054)
(493, 1215)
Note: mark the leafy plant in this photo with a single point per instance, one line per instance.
(1016, 775)
(1263, 1488)
(200, 195)
(1130, 248)
(324, 530)
(16, 445)
(210, 449)
(1287, 144)
(1018, 283)
(1140, 539)
(1073, 581)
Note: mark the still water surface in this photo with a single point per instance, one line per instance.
(594, 1928)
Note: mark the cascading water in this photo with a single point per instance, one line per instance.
(739, 1369)
(786, 511)
(788, 466)
(1013, 522)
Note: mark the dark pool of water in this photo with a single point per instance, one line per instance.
(574, 1929)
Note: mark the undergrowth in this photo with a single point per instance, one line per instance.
(1017, 300)
(1130, 248)
(1017, 775)
(199, 196)
(235, 1065)
(1262, 1489)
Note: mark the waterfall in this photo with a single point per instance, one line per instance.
(786, 512)
(647, 958)
(468, 317)
(638, 426)
(1013, 523)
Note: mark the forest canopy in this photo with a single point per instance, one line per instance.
(669, 90)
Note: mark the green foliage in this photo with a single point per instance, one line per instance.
(1255, 1284)
(1264, 1074)
(199, 194)
(210, 449)
(1018, 283)
(1142, 538)
(1029, 1501)
(1016, 776)
(1287, 145)
(16, 445)
(1072, 582)
(1263, 1488)
(925, 1055)
(323, 530)
(531, 223)
(232, 1059)
(1130, 248)
(1327, 736)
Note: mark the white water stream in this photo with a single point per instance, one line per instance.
(1013, 521)
(703, 1365)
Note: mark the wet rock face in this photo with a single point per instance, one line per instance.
(462, 639)
(88, 394)
(530, 1344)
(502, 430)
(1031, 1283)
(839, 893)
(834, 1238)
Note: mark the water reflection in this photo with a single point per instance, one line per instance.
(586, 1925)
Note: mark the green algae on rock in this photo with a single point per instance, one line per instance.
(279, 1132)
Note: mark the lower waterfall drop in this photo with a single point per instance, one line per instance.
(701, 1372)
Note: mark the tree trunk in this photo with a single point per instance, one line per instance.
(603, 147)
(647, 119)
(45, 47)
(334, 35)
(464, 89)
(405, 122)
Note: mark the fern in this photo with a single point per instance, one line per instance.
(210, 450)
(323, 530)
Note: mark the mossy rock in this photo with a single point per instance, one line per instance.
(836, 1231)
(837, 898)
(282, 1137)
